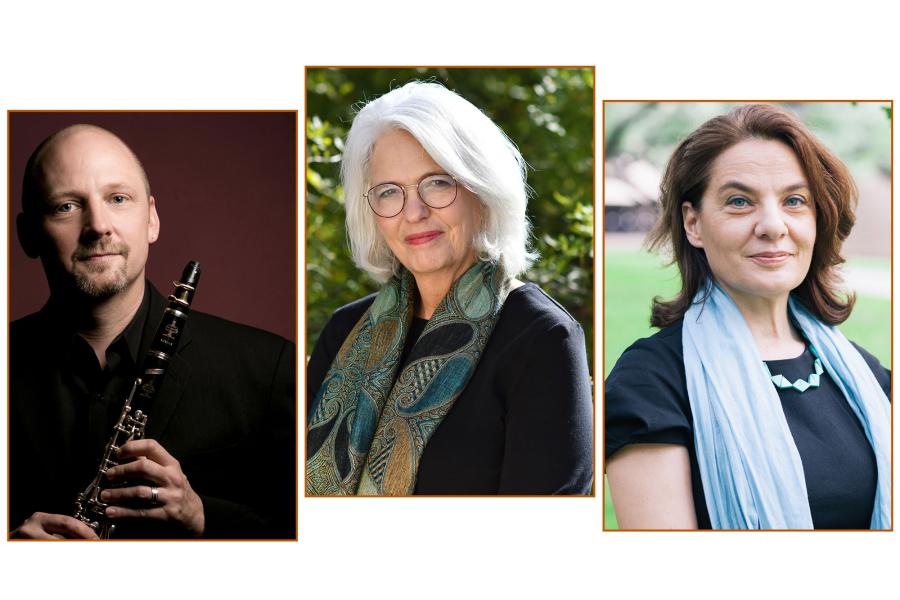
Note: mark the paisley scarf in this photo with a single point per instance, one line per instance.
(372, 418)
(749, 464)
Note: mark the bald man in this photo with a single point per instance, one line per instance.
(218, 458)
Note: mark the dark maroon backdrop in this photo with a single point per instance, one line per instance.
(225, 185)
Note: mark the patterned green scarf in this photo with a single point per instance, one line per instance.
(370, 426)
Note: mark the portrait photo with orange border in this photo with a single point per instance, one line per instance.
(449, 281)
(106, 209)
(747, 315)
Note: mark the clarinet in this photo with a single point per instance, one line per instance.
(133, 418)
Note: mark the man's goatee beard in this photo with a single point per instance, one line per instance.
(102, 289)
(110, 283)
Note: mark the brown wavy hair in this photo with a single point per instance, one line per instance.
(687, 175)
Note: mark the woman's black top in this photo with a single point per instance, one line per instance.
(647, 403)
(524, 423)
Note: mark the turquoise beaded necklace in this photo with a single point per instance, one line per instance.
(800, 385)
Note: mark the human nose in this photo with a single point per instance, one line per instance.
(771, 221)
(415, 208)
(97, 222)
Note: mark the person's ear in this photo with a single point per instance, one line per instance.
(27, 228)
(153, 223)
(690, 216)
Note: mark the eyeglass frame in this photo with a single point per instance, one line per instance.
(405, 196)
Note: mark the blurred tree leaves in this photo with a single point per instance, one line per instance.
(651, 130)
(548, 113)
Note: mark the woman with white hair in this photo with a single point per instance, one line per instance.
(456, 377)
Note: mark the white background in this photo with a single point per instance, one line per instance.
(228, 55)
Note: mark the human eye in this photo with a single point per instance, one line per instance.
(386, 192)
(65, 207)
(737, 201)
(795, 201)
(439, 181)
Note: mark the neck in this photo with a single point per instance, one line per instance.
(775, 335)
(430, 295)
(100, 321)
(434, 286)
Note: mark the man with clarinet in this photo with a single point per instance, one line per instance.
(215, 456)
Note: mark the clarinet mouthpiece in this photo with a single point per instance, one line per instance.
(191, 273)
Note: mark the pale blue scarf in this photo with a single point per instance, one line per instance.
(751, 470)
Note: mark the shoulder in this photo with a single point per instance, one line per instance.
(28, 324)
(882, 375)
(534, 343)
(207, 325)
(661, 351)
(342, 321)
(354, 310)
(645, 398)
(219, 339)
(330, 340)
(531, 311)
(28, 335)
(225, 342)
(533, 327)
(652, 369)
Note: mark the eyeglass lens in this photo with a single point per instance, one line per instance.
(437, 191)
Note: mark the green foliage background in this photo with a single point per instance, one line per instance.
(548, 113)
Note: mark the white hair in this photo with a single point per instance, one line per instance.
(465, 143)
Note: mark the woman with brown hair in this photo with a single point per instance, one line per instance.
(749, 409)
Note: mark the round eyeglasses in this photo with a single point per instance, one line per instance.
(388, 199)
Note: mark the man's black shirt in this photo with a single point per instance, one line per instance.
(81, 394)
(225, 411)
(98, 393)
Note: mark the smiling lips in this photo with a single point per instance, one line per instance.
(770, 258)
(418, 239)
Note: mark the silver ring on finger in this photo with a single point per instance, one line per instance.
(154, 496)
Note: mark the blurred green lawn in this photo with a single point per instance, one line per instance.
(633, 278)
